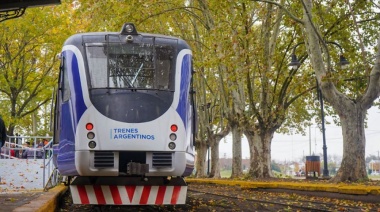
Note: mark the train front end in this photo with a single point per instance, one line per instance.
(124, 113)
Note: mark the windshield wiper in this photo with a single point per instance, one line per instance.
(134, 79)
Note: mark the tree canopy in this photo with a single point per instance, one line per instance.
(242, 50)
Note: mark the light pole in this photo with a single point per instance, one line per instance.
(325, 169)
(343, 62)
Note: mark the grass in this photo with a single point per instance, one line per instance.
(372, 177)
(225, 173)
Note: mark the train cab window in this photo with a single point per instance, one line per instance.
(135, 66)
(65, 82)
(164, 56)
(134, 70)
(97, 64)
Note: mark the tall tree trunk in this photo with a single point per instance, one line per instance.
(237, 170)
(214, 140)
(11, 129)
(260, 149)
(34, 123)
(352, 167)
(201, 160)
(215, 168)
(250, 135)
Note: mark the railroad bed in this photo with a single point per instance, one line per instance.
(211, 197)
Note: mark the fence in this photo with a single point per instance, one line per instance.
(42, 155)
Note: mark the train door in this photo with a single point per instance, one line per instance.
(62, 97)
(57, 106)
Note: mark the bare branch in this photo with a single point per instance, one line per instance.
(298, 20)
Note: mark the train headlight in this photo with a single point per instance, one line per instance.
(92, 144)
(90, 135)
(128, 29)
(173, 137)
(174, 128)
(172, 145)
(89, 126)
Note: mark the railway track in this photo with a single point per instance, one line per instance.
(261, 200)
(202, 197)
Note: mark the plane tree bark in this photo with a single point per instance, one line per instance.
(200, 161)
(237, 169)
(214, 140)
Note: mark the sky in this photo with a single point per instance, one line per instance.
(293, 147)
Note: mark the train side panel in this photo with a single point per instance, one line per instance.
(72, 108)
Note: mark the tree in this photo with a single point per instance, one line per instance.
(351, 111)
(214, 84)
(28, 60)
(255, 86)
(261, 90)
(212, 126)
(351, 102)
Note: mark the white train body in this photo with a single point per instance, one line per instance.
(124, 107)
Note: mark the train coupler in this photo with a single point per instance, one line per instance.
(137, 168)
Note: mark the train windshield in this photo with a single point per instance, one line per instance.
(130, 65)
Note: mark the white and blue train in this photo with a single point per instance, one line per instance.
(124, 117)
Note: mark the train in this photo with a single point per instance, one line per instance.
(124, 117)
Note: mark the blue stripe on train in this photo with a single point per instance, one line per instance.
(184, 104)
(76, 96)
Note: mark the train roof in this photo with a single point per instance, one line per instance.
(77, 39)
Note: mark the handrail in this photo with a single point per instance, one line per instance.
(18, 141)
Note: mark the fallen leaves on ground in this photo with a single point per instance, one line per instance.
(270, 199)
